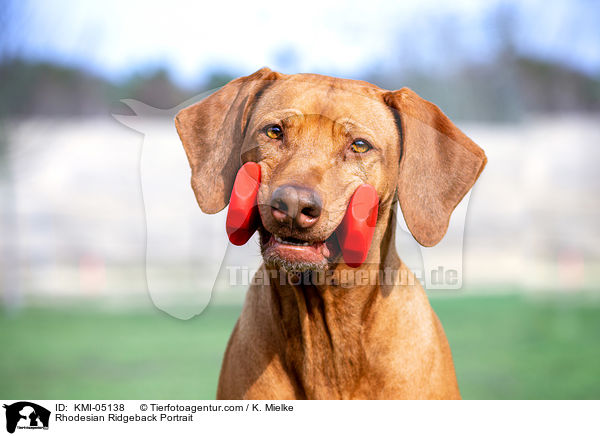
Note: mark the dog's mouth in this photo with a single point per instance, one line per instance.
(297, 254)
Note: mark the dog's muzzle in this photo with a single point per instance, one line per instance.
(354, 234)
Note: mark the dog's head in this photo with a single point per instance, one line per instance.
(317, 139)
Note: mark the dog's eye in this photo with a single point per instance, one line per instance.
(274, 132)
(360, 146)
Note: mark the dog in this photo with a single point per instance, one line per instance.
(317, 139)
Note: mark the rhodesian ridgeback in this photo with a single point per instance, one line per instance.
(312, 326)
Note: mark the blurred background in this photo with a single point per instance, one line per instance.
(522, 79)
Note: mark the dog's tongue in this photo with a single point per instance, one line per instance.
(355, 233)
(325, 250)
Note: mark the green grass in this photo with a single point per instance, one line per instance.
(51, 354)
(506, 347)
(511, 347)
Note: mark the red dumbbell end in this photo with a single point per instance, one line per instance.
(355, 233)
(243, 216)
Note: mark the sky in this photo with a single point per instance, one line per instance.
(115, 38)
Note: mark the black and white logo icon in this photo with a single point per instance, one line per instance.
(26, 415)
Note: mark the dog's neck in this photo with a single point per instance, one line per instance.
(322, 319)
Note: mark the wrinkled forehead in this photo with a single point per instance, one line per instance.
(336, 100)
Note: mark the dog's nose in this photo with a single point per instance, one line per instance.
(296, 205)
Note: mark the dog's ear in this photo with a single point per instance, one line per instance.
(438, 165)
(212, 133)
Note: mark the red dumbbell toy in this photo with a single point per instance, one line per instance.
(242, 217)
(354, 233)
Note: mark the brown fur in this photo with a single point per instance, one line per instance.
(345, 338)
